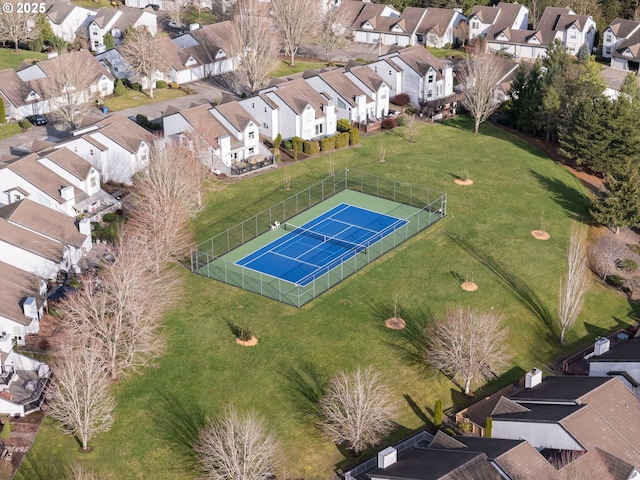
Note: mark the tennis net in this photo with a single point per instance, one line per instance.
(357, 247)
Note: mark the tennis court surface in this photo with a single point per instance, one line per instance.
(310, 250)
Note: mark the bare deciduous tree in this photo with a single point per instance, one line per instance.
(410, 126)
(239, 447)
(254, 43)
(574, 286)
(79, 397)
(332, 34)
(296, 21)
(357, 409)
(461, 32)
(120, 313)
(17, 25)
(468, 346)
(176, 11)
(78, 472)
(145, 55)
(164, 199)
(479, 75)
(68, 88)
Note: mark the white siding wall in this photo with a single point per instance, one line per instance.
(28, 261)
(266, 116)
(121, 164)
(76, 21)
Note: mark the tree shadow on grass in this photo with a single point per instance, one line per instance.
(306, 386)
(572, 201)
(409, 343)
(179, 424)
(43, 467)
(416, 408)
(518, 287)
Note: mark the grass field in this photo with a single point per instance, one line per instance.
(134, 98)
(446, 52)
(283, 69)
(9, 58)
(9, 129)
(486, 236)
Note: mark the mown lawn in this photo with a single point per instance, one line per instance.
(9, 58)
(9, 129)
(486, 236)
(446, 52)
(283, 69)
(134, 98)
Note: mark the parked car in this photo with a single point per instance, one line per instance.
(173, 24)
(37, 120)
(154, 6)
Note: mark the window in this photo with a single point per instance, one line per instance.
(252, 135)
(608, 38)
(17, 197)
(94, 32)
(383, 95)
(265, 109)
(319, 129)
(475, 25)
(265, 125)
(96, 43)
(430, 79)
(252, 150)
(93, 182)
(253, 105)
(234, 156)
(91, 151)
(115, 69)
(607, 50)
(389, 72)
(75, 149)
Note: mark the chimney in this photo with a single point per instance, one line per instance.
(533, 378)
(67, 193)
(30, 307)
(602, 346)
(84, 226)
(387, 457)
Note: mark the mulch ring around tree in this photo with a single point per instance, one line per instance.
(247, 343)
(469, 286)
(460, 181)
(540, 235)
(395, 323)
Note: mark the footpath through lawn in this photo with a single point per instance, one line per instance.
(486, 237)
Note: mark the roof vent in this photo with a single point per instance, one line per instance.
(602, 346)
(533, 378)
(387, 457)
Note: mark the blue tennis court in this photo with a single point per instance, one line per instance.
(314, 248)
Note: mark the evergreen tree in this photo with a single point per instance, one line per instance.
(525, 92)
(109, 41)
(437, 414)
(630, 87)
(583, 53)
(618, 205)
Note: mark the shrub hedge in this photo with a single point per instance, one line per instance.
(161, 84)
(328, 143)
(343, 125)
(354, 136)
(342, 140)
(311, 147)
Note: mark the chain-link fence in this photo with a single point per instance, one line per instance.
(207, 257)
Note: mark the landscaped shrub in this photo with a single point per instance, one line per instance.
(141, 119)
(342, 140)
(136, 86)
(288, 144)
(615, 281)
(343, 125)
(277, 142)
(354, 136)
(153, 126)
(245, 334)
(109, 217)
(402, 121)
(634, 247)
(401, 99)
(627, 265)
(311, 147)
(328, 143)
(161, 84)
(297, 144)
(25, 124)
(389, 123)
(174, 85)
(119, 88)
